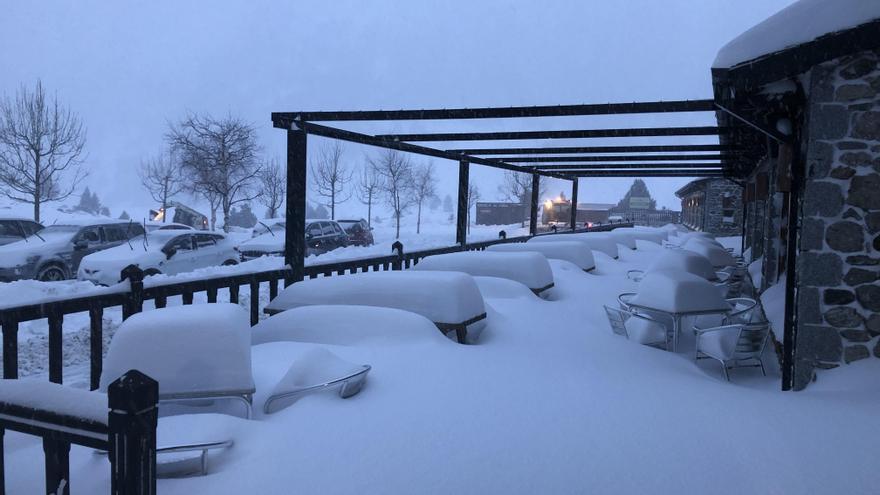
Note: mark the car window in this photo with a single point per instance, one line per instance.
(314, 229)
(217, 238)
(31, 227)
(327, 228)
(338, 229)
(8, 228)
(182, 243)
(205, 240)
(90, 235)
(114, 233)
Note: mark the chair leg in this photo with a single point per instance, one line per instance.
(724, 370)
(761, 362)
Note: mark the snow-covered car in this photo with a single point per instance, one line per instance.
(154, 225)
(54, 253)
(359, 232)
(264, 226)
(161, 251)
(16, 229)
(321, 236)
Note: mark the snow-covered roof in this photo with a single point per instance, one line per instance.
(799, 23)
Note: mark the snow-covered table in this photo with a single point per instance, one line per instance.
(678, 294)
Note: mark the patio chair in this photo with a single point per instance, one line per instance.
(316, 371)
(742, 309)
(623, 300)
(198, 354)
(734, 346)
(635, 275)
(640, 328)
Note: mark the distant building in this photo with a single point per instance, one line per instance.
(501, 213)
(712, 205)
(559, 211)
(180, 213)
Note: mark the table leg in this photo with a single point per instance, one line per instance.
(676, 326)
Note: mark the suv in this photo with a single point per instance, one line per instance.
(16, 229)
(54, 252)
(321, 236)
(359, 232)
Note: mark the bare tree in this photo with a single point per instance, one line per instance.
(472, 197)
(517, 187)
(41, 149)
(330, 175)
(220, 157)
(395, 171)
(424, 188)
(368, 188)
(163, 179)
(273, 180)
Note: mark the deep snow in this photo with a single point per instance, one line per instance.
(548, 401)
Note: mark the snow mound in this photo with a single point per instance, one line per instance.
(24, 292)
(798, 23)
(624, 237)
(680, 260)
(717, 255)
(314, 367)
(678, 292)
(656, 236)
(48, 396)
(601, 242)
(442, 297)
(201, 348)
(528, 268)
(571, 251)
(502, 288)
(346, 325)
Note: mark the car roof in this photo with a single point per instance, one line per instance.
(78, 222)
(18, 219)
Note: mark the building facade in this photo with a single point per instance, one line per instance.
(713, 206)
(807, 116)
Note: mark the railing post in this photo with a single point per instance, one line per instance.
(574, 204)
(502, 235)
(397, 249)
(462, 212)
(56, 357)
(57, 454)
(132, 399)
(533, 207)
(10, 347)
(135, 303)
(96, 346)
(295, 233)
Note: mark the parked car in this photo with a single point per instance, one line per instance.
(16, 229)
(154, 225)
(170, 251)
(359, 232)
(54, 253)
(321, 236)
(264, 226)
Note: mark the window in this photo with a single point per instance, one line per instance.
(31, 227)
(90, 235)
(182, 243)
(114, 233)
(205, 240)
(327, 228)
(9, 229)
(314, 229)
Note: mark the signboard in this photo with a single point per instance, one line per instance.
(639, 203)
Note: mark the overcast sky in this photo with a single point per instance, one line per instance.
(128, 68)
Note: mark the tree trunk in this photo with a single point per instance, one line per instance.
(37, 189)
(333, 204)
(397, 218)
(419, 219)
(369, 212)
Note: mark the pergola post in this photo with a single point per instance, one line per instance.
(295, 233)
(462, 212)
(574, 203)
(533, 212)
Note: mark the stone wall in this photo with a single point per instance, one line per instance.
(714, 223)
(838, 264)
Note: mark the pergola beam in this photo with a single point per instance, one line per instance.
(646, 173)
(608, 158)
(678, 148)
(283, 119)
(562, 134)
(594, 166)
(378, 141)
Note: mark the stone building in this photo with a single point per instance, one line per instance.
(712, 205)
(800, 105)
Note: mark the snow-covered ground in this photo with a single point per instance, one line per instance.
(548, 401)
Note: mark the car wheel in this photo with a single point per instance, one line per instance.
(230, 263)
(51, 273)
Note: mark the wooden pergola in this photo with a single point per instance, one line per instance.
(568, 163)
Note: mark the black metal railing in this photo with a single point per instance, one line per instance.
(128, 434)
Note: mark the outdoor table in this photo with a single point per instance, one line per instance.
(678, 294)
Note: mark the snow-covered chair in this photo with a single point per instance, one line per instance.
(573, 251)
(451, 300)
(624, 237)
(635, 275)
(195, 352)
(637, 327)
(528, 267)
(734, 346)
(315, 371)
